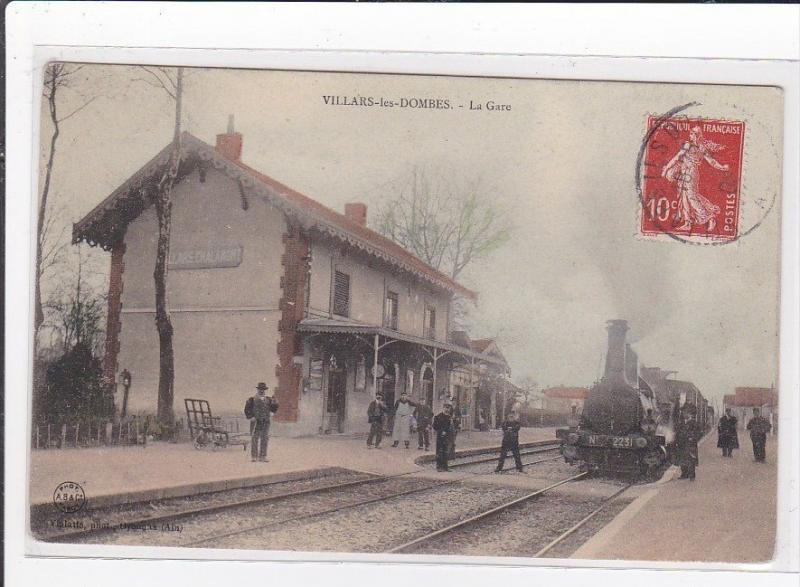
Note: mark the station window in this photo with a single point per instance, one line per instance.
(341, 294)
(390, 310)
(430, 322)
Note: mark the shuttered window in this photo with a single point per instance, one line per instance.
(341, 294)
(430, 322)
(390, 311)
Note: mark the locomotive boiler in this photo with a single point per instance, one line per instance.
(617, 431)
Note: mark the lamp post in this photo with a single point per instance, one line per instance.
(126, 385)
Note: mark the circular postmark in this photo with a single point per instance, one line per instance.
(690, 177)
(69, 497)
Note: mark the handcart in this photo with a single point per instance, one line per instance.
(206, 430)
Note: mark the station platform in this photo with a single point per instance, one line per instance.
(157, 470)
(728, 514)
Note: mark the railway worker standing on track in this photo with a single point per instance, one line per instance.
(443, 425)
(728, 437)
(759, 427)
(258, 409)
(376, 412)
(510, 442)
(687, 433)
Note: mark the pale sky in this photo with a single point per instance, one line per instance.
(561, 164)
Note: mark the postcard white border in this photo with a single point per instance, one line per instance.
(317, 30)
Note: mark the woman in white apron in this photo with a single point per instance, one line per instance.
(403, 410)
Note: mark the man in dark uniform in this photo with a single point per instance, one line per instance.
(455, 426)
(423, 415)
(443, 425)
(375, 415)
(258, 410)
(759, 427)
(728, 438)
(510, 442)
(687, 434)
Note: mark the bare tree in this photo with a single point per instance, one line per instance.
(75, 311)
(446, 222)
(57, 78)
(172, 84)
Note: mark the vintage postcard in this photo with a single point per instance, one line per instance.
(314, 312)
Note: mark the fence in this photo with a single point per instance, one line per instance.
(137, 431)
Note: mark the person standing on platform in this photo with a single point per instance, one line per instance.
(403, 409)
(424, 415)
(258, 410)
(687, 434)
(455, 427)
(728, 438)
(443, 425)
(375, 416)
(510, 442)
(759, 427)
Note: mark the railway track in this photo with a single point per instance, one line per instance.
(405, 547)
(150, 519)
(575, 527)
(94, 533)
(493, 459)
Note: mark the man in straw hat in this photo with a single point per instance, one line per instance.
(258, 410)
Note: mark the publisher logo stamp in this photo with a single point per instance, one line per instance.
(692, 178)
(69, 497)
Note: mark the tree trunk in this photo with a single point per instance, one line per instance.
(38, 315)
(163, 205)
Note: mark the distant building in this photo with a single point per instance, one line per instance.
(267, 284)
(745, 399)
(564, 401)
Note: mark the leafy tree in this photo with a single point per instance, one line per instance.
(74, 388)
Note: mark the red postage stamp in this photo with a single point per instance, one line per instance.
(692, 177)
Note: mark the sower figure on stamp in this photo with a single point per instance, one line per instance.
(423, 414)
(510, 442)
(759, 427)
(375, 416)
(684, 168)
(687, 434)
(728, 438)
(443, 425)
(258, 410)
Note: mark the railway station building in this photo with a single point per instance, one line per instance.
(267, 284)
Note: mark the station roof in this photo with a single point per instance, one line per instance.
(106, 223)
(337, 326)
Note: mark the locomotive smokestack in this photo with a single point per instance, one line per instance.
(631, 366)
(615, 359)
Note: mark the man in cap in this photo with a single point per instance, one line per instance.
(258, 410)
(375, 415)
(759, 427)
(443, 426)
(510, 442)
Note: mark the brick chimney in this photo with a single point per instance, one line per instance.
(229, 145)
(357, 212)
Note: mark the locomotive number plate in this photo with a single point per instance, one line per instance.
(621, 442)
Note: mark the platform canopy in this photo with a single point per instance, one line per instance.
(379, 337)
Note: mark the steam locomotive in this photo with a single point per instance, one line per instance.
(625, 428)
